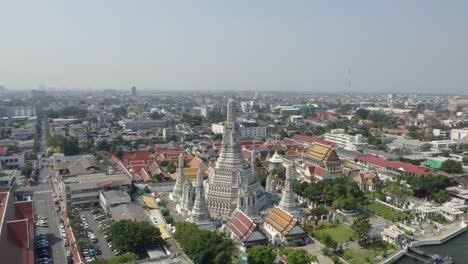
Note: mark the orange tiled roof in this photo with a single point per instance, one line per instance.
(323, 154)
(281, 221)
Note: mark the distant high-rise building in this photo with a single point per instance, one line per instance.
(134, 91)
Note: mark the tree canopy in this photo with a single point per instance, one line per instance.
(297, 256)
(361, 228)
(203, 246)
(452, 166)
(261, 255)
(344, 193)
(132, 236)
(125, 258)
(68, 145)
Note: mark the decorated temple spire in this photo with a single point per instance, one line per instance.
(288, 200)
(180, 181)
(231, 111)
(200, 214)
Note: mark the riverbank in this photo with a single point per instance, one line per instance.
(434, 240)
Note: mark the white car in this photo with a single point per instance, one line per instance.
(54, 195)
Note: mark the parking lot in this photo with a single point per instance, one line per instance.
(43, 202)
(101, 241)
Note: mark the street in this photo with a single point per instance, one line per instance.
(44, 206)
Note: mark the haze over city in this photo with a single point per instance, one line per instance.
(313, 46)
(233, 132)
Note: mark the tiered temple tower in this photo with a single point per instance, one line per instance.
(288, 200)
(180, 181)
(230, 172)
(187, 197)
(200, 214)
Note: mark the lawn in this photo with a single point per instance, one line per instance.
(367, 254)
(387, 213)
(339, 233)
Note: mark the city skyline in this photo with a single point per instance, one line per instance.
(267, 45)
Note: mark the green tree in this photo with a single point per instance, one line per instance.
(125, 258)
(451, 166)
(132, 236)
(361, 228)
(296, 256)
(261, 255)
(441, 196)
(203, 246)
(318, 211)
(120, 112)
(27, 170)
(329, 241)
(71, 146)
(156, 115)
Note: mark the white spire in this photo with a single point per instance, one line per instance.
(200, 214)
(181, 160)
(288, 200)
(231, 111)
(180, 180)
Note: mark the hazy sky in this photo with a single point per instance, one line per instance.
(265, 45)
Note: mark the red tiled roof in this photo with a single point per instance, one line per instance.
(288, 142)
(3, 150)
(311, 140)
(241, 226)
(397, 165)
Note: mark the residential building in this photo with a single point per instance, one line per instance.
(348, 142)
(17, 230)
(7, 180)
(79, 131)
(458, 134)
(246, 131)
(11, 160)
(136, 125)
(458, 105)
(443, 144)
(409, 144)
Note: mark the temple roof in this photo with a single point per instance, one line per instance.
(276, 158)
(322, 154)
(285, 223)
(244, 228)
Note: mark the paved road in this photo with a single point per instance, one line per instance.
(44, 206)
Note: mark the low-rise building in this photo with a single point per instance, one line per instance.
(11, 160)
(17, 230)
(393, 235)
(242, 228)
(245, 130)
(458, 134)
(136, 125)
(348, 142)
(443, 144)
(109, 199)
(284, 229)
(83, 190)
(409, 144)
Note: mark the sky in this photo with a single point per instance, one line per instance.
(314, 46)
